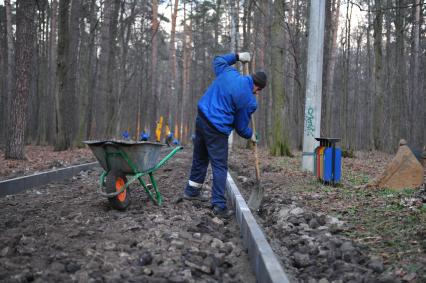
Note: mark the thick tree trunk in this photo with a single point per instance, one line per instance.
(10, 65)
(104, 95)
(92, 63)
(72, 114)
(330, 57)
(112, 103)
(280, 144)
(63, 140)
(378, 76)
(52, 85)
(400, 101)
(25, 40)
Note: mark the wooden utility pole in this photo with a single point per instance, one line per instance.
(313, 83)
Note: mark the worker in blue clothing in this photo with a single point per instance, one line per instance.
(144, 136)
(226, 105)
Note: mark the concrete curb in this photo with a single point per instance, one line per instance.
(263, 261)
(17, 185)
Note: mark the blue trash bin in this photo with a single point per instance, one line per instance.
(331, 161)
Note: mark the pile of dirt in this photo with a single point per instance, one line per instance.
(404, 171)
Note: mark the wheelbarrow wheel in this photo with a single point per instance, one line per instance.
(114, 183)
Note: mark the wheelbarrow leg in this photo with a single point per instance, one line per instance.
(157, 192)
(157, 199)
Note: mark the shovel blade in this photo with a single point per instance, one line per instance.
(256, 197)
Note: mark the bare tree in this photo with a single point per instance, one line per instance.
(10, 62)
(280, 145)
(378, 93)
(25, 40)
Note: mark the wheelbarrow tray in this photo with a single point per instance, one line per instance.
(143, 155)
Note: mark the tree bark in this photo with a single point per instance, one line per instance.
(330, 63)
(417, 111)
(10, 64)
(72, 114)
(52, 85)
(25, 40)
(280, 145)
(378, 92)
(63, 140)
(400, 103)
(173, 102)
(154, 51)
(104, 95)
(92, 63)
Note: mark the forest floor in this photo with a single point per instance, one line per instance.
(318, 232)
(42, 158)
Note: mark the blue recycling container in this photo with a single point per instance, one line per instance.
(328, 168)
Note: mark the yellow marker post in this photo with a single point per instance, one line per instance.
(158, 130)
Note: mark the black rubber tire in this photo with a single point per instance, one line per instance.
(120, 202)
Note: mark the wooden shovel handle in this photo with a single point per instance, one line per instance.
(253, 126)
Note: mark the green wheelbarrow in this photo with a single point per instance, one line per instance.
(120, 159)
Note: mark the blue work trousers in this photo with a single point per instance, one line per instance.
(210, 145)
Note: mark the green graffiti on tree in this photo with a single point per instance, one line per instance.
(309, 122)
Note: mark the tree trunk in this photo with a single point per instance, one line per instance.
(346, 116)
(154, 51)
(280, 144)
(417, 112)
(72, 114)
(173, 101)
(52, 85)
(112, 105)
(10, 66)
(378, 92)
(40, 134)
(25, 40)
(216, 27)
(400, 103)
(63, 140)
(104, 95)
(330, 63)
(92, 63)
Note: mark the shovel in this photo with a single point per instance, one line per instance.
(256, 195)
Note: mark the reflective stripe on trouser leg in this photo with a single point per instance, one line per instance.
(195, 185)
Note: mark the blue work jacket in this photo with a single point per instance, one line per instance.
(229, 101)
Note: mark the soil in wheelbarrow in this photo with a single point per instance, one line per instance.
(67, 232)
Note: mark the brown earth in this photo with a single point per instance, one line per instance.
(42, 158)
(67, 232)
(320, 233)
(342, 234)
